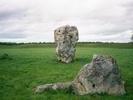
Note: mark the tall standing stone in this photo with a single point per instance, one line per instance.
(65, 39)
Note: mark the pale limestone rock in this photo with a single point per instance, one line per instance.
(53, 86)
(65, 39)
(100, 76)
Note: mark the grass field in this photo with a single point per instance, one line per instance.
(32, 65)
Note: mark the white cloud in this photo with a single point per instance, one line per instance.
(35, 20)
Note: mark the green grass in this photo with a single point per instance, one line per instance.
(32, 66)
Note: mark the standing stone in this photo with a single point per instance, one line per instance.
(100, 76)
(65, 39)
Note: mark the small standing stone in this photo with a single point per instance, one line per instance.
(100, 76)
(65, 39)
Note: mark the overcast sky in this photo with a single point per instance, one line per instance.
(96, 20)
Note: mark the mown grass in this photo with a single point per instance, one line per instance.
(31, 66)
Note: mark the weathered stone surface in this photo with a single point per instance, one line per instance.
(53, 86)
(65, 39)
(100, 76)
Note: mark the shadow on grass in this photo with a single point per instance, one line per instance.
(84, 60)
(5, 56)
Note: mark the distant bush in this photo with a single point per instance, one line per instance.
(5, 56)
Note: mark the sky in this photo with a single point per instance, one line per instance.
(36, 20)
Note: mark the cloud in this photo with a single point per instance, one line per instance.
(11, 36)
(35, 20)
(10, 14)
